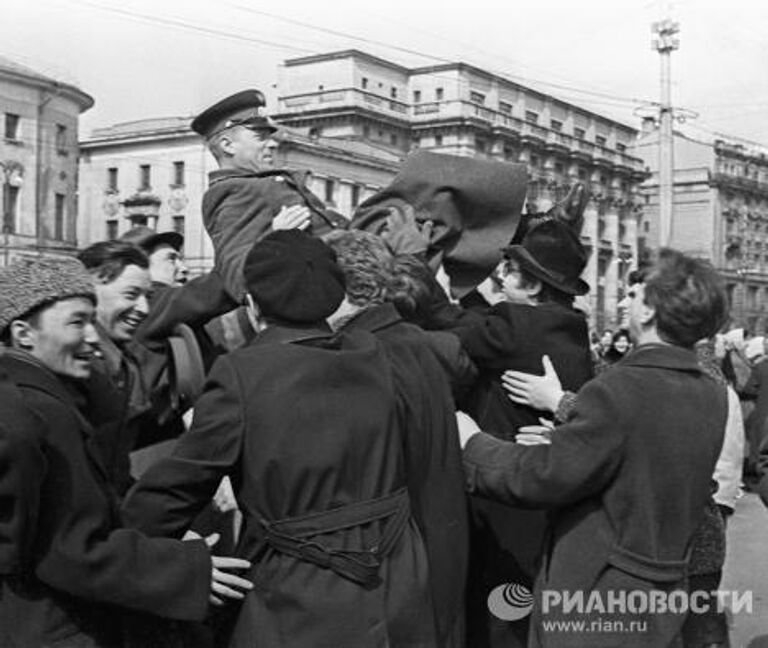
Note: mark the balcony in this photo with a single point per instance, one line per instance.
(346, 97)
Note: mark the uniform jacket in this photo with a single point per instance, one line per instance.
(82, 567)
(238, 209)
(628, 476)
(306, 425)
(433, 461)
(507, 540)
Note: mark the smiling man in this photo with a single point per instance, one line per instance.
(247, 196)
(74, 573)
(122, 284)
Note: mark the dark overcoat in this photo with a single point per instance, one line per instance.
(82, 567)
(627, 478)
(308, 427)
(22, 466)
(507, 540)
(433, 460)
(238, 209)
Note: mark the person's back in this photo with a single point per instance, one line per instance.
(310, 428)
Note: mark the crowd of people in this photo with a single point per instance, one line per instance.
(396, 433)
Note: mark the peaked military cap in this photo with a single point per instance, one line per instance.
(239, 109)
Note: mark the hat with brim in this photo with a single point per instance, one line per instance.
(148, 239)
(553, 253)
(239, 109)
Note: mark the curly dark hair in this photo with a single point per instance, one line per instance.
(366, 262)
(689, 297)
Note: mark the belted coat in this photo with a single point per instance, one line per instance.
(80, 567)
(433, 460)
(627, 479)
(308, 427)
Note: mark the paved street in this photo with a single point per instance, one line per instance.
(746, 568)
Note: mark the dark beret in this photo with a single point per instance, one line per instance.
(294, 277)
(239, 109)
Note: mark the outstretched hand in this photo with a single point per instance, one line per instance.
(539, 392)
(226, 585)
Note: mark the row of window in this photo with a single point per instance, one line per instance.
(145, 176)
(113, 225)
(12, 131)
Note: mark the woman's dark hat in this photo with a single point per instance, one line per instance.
(553, 253)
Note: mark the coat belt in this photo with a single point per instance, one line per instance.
(290, 536)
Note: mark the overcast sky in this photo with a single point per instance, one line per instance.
(152, 58)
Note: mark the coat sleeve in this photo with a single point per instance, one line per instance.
(582, 458)
(80, 548)
(488, 337)
(173, 491)
(22, 470)
(195, 304)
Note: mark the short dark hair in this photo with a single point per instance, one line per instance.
(689, 297)
(366, 262)
(107, 259)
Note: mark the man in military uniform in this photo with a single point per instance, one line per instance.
(247, 197)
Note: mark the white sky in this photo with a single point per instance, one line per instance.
(137, 62)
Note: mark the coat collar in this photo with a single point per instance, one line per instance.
(27, 370)
(663, 356)
(375, 318)
(289, 333)
(226, 174)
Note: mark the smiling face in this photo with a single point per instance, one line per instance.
(122, 303)
(61, 336)
(509, 281)
(621, 344)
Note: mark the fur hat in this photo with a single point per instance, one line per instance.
(294, 277)
(27, 284)
(553, 253)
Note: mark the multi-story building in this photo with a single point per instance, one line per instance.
(38, 162)
(720, 212)
(350, 118)
(463, 110)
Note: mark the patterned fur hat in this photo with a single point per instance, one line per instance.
(30, 283)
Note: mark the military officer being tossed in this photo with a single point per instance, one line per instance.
(247, 197)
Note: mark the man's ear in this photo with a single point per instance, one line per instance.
(534, 288)
(647, 315)
(225, 145)
(23, 336)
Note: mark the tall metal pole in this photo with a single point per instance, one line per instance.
(665, 44)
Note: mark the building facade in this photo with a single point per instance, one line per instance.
(38, 162)
(350, 118)
(463, 110)
(720, 213)
(155, 171)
